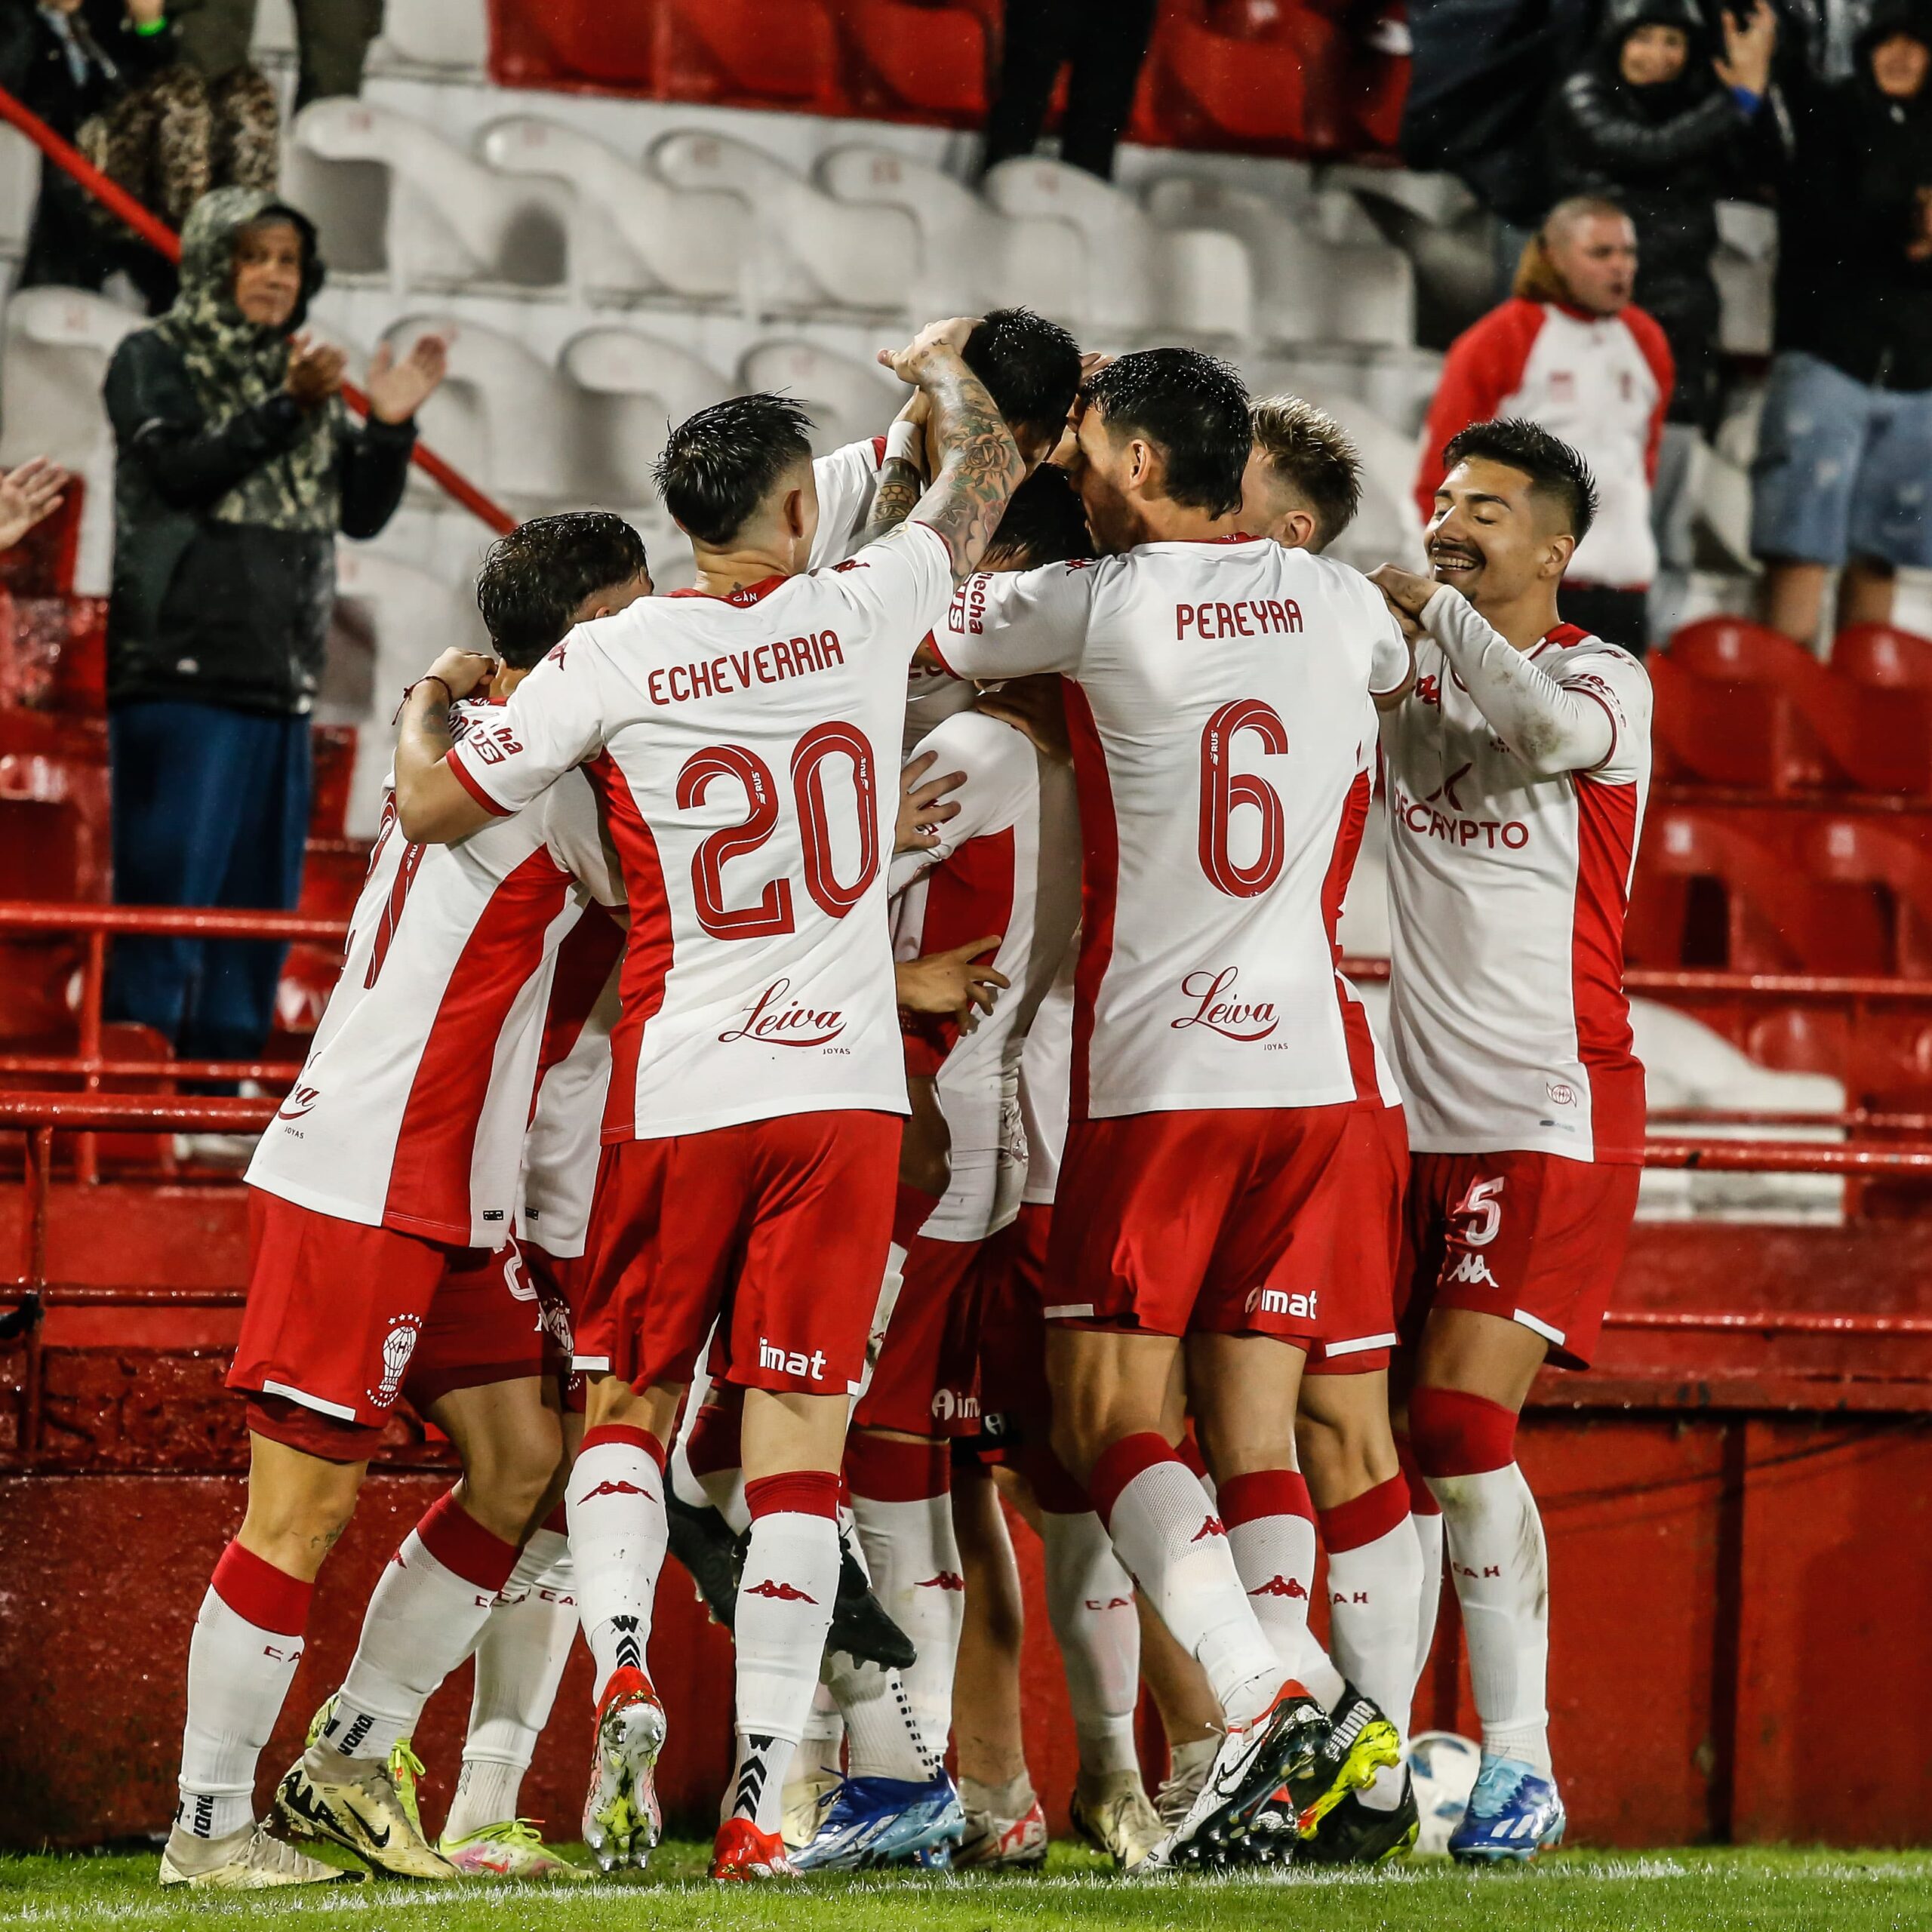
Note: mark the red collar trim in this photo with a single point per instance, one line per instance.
(744, 596)
(1562, 635)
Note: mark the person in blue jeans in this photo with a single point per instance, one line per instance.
(1843, 477)
(236, 466)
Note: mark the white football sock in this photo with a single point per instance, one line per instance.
(424, 1616)
(1170, 1539)
(913, 1553)
(1501, 1565)
(1271, 1535)
(821, 1749)
(618, 1538)
(784, 1602)
(1090, 1604)
(520, 1660)
(1427, 1528)
(242, 1660)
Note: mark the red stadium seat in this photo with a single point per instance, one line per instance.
(749, 52)
(1718, 733)
(584, 43)
(1278, 82)
(1708, 895)
(925, 57)
(1872, 899)
(1774, 741)
(1891, 670)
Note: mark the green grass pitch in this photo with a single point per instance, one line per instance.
(1576, 1892)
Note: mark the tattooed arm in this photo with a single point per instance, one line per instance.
(433, 806)
(902, 479)
(980, 462)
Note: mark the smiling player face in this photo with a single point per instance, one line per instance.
(1491, 536)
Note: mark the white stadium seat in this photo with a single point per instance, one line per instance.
(1745, 265)
(449, 223)
(1323, 278)
(812, 251)
(1143, 278)
(413, 616)
(635, 386)
(20, 189)
(972, 258)
(631, 232)
(847, 399)
(58, 343)
(504, 417)
(436, 37)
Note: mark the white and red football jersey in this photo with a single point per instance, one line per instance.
(1220, 720)
(846, 480)
(1507, 893)
(411, 1110)
(1046, 1074)
(573, 1082)
(742, 748)
(1009, 863)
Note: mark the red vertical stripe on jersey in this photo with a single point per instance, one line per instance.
(1334, 890)
(429, 1191)
(590, 948)
(647, 956)
(1100, 879)
(967, 897)
(1606, 843)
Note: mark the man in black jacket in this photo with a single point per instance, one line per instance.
(237, 465)
(1843, 477)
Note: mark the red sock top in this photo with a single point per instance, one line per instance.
(1366, 1518)
(1422, 1498)
(253, 1588)
(802, 1492)
(1262, 1493)
(1120, 1463)
(625, 1432)
(1457, 1434)
(463, 1547)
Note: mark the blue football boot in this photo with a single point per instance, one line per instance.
(872, 1822)
(1513, 1814)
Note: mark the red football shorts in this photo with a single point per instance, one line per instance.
(926, 1380)
(1359, 1296)
(776, 1230)
(343, 1320)
(559, 1281)
(1211, 1221)
(1534, 1238)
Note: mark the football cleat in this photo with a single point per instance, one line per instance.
(356, 1803)
(872, 1822)
(1188, 1767)
(248, 1860)
(1513, 1814)
(702, 1541)
(743, 1852)
(513, 1848)
(860, 1626)
(993, 1844)
(1362, 1743)
(1354, 1833)
(807, 1801)
(1120, 1822)
(622, 1823)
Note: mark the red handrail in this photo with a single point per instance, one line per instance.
(26, 915)
(158, 234)
(1767, 986)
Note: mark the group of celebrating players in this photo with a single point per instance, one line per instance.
(739, 1153)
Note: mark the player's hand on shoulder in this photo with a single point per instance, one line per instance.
(952, 984)
(935, 342)
(923, 805)
(1405, 593)
(462, 671)
(1036, 705)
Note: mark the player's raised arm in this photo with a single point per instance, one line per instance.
(980, 464)
(433, 805)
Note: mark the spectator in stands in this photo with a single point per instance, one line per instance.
(237, 465)
(332, 40)
(108, 75)
(1569, 351)
(1101, 44)
(1655, 123)
(1843, 477)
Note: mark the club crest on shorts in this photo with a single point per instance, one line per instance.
(399, 1345)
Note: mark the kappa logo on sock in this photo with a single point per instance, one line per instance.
(612, 1486)
(779, 1592)
(1280, 1586)
(942, 1579)
(1212, 1527)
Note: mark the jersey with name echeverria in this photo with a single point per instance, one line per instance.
(736, 745)
(1220, 716)
(1008, 863)
(1507, 893)
(411, 1110)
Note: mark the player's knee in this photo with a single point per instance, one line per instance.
(295, 1530)
(1346, 1454)
(1457, 1434)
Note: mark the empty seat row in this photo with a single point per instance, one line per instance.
(1739, 704)
(1276, 76)
(706, 217)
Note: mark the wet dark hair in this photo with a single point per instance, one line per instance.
(1556, 472)
(1043, 523)
(1193, 408)
(1031, 367)
(533, 580)
(1307, 448)
(721, 464)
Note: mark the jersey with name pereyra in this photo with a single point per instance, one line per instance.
(1507, 892)
(411, 1110)
(1220, 719)
(743, 749)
